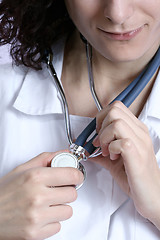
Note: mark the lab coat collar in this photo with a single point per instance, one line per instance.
(38, 95)
(152, 107)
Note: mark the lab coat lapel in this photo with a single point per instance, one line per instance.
(118, 198)
(150, 115)
(152, 104)
(38, 94)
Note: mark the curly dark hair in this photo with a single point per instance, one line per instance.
(31, 26)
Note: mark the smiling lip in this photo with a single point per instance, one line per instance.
(122, 36)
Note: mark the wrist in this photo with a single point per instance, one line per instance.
(154, 216)
(152, 211)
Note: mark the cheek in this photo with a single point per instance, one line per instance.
(151, 10)
(82, 12)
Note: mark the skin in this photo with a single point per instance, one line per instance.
(115, 63)
(35, 212)
(127, 150)
(130, 160)
(118, 16)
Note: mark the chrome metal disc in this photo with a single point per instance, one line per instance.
(67, 159)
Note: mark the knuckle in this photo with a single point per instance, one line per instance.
(35, 201)
(29, 175)
(32, 217)
(45, 154)
(103, 141)
(118, 123)
(33, 175)
(127, 144)
(117, 104)
(113, 112)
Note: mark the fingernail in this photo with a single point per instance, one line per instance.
(114, 156)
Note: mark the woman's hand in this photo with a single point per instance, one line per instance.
(33, 199)
(128, 154)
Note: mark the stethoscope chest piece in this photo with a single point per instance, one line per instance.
(67, 159)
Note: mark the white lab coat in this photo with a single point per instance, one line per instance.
(31, 122)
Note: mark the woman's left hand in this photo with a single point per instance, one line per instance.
(127, 152)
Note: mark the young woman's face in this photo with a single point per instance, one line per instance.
(120, 30)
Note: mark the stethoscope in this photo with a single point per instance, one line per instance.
(81, 149)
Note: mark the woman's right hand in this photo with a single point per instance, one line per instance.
(34, 197)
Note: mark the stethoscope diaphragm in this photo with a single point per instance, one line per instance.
(67, 159)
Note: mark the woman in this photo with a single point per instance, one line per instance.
(120, 197)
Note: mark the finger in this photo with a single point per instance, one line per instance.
(116, 168)
(43, 233)
(66, 176)
(49, 230)
(60, 195)
(125, 109)
(127, 149)
(32, 232)
(56, 214)
(45, 215)
(53, 177)
(116, 130)
(114, 156)
(116, 108)
(116, 113)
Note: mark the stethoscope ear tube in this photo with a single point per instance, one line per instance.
(81, 139)
(127, 97)
(53, 74)
(145, 78)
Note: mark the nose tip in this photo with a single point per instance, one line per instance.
(118, 11)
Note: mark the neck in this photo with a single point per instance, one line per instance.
(110, 78)
(120, 72)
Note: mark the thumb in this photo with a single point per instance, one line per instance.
(41, 160)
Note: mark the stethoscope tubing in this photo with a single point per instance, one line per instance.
(127, 97)
(63, 98)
